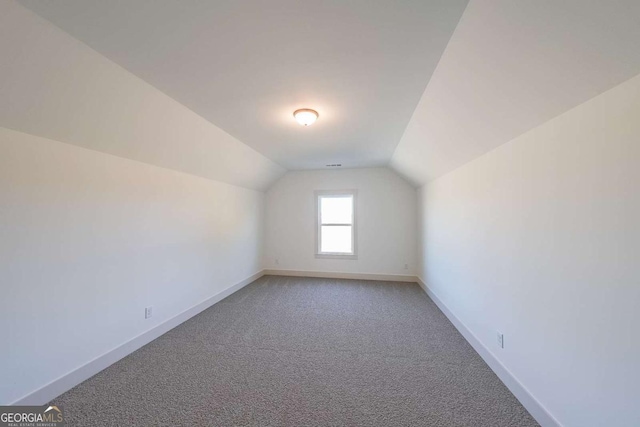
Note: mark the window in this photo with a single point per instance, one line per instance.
(336, 224)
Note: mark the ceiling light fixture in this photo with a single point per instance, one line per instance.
(305, 116)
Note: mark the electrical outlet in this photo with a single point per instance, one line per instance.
(277, 261)
(406, 266)
(148, 312)
(500, 340)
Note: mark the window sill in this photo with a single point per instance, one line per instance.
(337, 256)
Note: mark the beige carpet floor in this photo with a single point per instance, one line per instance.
(287, 351)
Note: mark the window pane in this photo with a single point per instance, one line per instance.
(336, 239)
(336, 210)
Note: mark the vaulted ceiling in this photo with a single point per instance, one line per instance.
(208, 87)
(511, 66)
(246, 65)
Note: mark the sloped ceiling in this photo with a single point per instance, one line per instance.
(208, 87)
(511, 66)
(246, 65)
(53, 86)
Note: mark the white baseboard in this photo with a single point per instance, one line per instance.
(535, 408)
(341, 275)
(66, 382)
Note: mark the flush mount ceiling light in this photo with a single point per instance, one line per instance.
(305, 116)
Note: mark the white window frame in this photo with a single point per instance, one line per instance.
(354, 228)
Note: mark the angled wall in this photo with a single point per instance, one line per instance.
(539, 239)
(511, 66)
(54, 86)
(114, 197)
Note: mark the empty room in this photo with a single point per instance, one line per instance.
(320, 213)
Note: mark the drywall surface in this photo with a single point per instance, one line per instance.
(88, 240)
(511, 66)
(386, 222)
(540, 239)
(248, 65)
(52, 85)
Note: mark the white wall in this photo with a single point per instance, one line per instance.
(386, 223)
(87, 240)
(540, 239)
